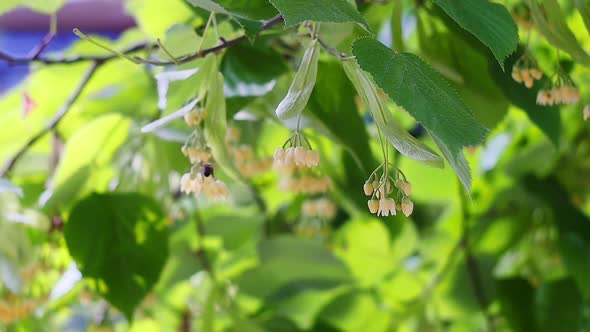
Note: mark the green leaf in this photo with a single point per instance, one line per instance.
(547, 118)
(148, 15)
(249, 9)
(559, 307)
(573, 226)
(85, 165)
(251, 28)
(336, 11)
(584, 9)
(397, 135)
(179, 40)
(490, 22)
(332, 102)
(243, 74)
(576, 256)
(421, 91)
(43, 6)
(516, 297)
(462, 59)
(550, 21)
(302, 86)
(287, 263)
(120, 242)
(356, 311)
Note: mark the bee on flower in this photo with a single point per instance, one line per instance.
(204, 182)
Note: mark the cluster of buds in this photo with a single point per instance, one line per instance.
(306, 184)
(296, 155)
(204, 181)
(232, 135)
(526, 70)
(12, 312)
(311, 228)
(194, 118)
(196, 155)
(380, 190)
(244, 156)
(255, 167)
(562, 92)
(201, 178)
(558, 95)
(321, 208)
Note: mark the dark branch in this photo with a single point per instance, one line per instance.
(224, 44)
(184, 59)
(55, 120)
(68, 60)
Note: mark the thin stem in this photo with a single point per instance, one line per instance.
(472, 266)
(55, 120)
(34, 53)
(122, 55)
(211, 16)
(224, 44)
(216, 29)
(167, 52)
(201, 252)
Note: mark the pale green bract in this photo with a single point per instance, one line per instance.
(405, 143)
(552, 25)
(427, 96)
(216, 125)
(302, 86)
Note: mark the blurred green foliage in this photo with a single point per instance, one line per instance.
(95, 234)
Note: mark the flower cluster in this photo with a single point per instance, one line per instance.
(244, 156)
(12, 312)
(204, 181)
(295, 157)
(586, 112)
(194, 118)
(201, 178)
(526, 70)
(562, 91)
(196, 155)
(306, 184)
(526, 75)
(558, 95)
(321, 208)
(232, 135)
(379, 190)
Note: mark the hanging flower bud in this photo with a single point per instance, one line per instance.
(407, 206)
(373, 205)
(368, 189)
